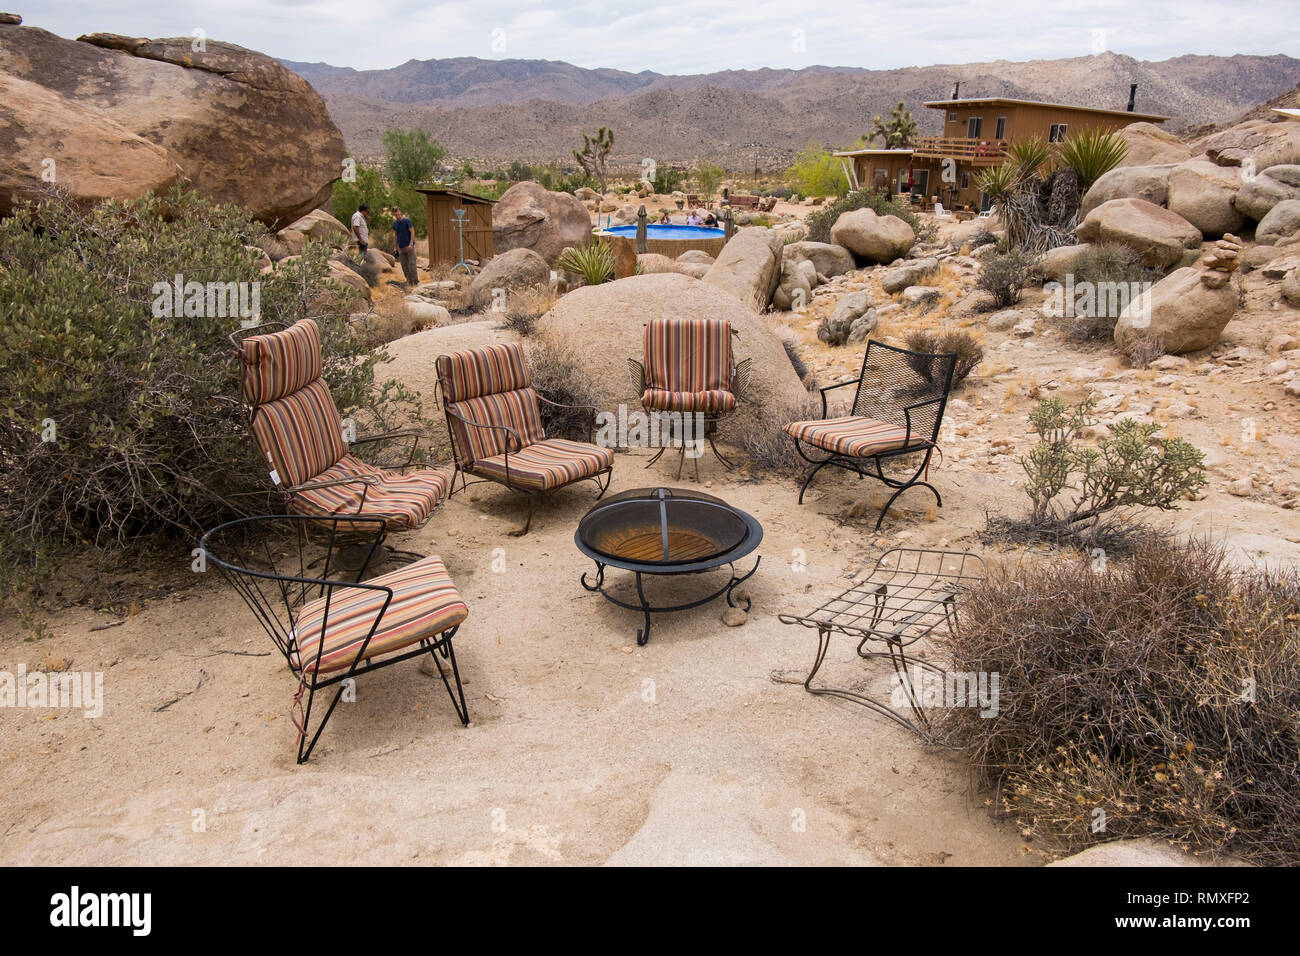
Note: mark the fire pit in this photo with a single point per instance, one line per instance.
(666, 531)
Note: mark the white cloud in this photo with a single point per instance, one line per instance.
(700, 36)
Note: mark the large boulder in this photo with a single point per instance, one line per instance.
(1056, 263)
(1291, 288)
(794, 291)
(1259, 194)
(851, 321)
(96, 158)
(872, 237)
(322, 227)
(1149, 145)
(530, 217)
(241, 127)
(1202, 193)
(1129, 182)
(1257, 143)
(1158, 236)
(749, 266)
(614, 315)
(1180, 311)
(829, 259)
(511, 270)
(1280, 223)
(910, 273)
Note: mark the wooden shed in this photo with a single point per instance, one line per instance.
(444, 237)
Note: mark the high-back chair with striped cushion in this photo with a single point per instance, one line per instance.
(297, 426)
(689, 368)
(494, 421)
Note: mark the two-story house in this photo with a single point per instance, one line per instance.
(976, 134)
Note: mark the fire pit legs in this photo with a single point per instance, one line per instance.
(646, 608)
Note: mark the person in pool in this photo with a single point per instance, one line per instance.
(694, 219)
(710, 219)
(664, 220)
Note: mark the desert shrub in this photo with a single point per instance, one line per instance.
(524, 308)
(968, 349)
(1103, 263)
(1005, 275)
(411, 156)
(1142, 349)
(1091, 154)
(667, 179)
(594, 262)
(821, 221)
(1129, 468)
(758, 434)
(558, 377)
(145, 430)
(1160, 690)
(780, 192)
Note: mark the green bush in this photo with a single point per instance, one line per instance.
(817, 173)
(594, 262)
(411, 156)
(144, 412)
(1005, 275)
(821, 221)
(1104, 262)
(667, 180)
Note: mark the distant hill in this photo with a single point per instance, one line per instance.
(492, 111)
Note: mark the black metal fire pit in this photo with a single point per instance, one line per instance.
(666, 531)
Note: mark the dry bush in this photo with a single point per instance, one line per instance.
(760, 437)
(1161, 690)
(967, 348)
(558, 377)
(525, 308)
(1005, 276)
(1141, 350)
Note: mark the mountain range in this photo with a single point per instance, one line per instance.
(492, 111)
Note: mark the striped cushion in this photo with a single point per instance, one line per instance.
(404, 501)
(280, 363)
(515, 409)
(714, 400)
(300, 434)
(470, 373)
(425, 603)
(852, 436)
(547, 464)
(688, 355)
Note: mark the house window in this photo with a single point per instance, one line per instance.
(965, 179)
(974, 126)
(1057, 133)
(952, 116)
(1002, 128)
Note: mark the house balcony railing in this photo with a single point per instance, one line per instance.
(978, 152)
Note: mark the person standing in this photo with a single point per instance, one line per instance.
(361, 229)
(405, 233)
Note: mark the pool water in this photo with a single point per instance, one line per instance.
(653, 231)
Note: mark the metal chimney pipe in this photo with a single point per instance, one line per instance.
(1132, 95)
(956, 90)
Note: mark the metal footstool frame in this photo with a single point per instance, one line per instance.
(908, 594)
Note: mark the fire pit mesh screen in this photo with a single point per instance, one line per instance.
(663, 527)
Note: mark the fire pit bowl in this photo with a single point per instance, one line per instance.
(666, 531)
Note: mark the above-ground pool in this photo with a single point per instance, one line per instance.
(672, 240)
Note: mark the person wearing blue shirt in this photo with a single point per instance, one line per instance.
(405, 233)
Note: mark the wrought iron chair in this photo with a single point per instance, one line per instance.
(297, 426)
(908, 594)
(897, 410)
(495, 424)
(331, 631)
(689, 369)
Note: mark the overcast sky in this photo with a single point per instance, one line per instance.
(696, 36)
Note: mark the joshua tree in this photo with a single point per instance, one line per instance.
(897, 131)
(595, 154)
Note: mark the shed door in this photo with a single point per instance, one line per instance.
(478, 232)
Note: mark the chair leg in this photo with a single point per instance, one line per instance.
(306, 720)
(458, 695)
(726, 462)
(807, 481)
(532, 507)
(894, 496)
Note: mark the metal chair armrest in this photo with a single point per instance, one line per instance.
(827, 388)
(505, 428)
(740, 378)
(636, 375)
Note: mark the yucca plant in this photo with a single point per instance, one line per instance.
(1092, 154)
(594, 262)
(997, 181)
(1030, 157)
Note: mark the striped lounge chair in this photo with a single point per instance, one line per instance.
(897, 410)
(495, 424)
(331, 630)
(297, 426)
(689, 369)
